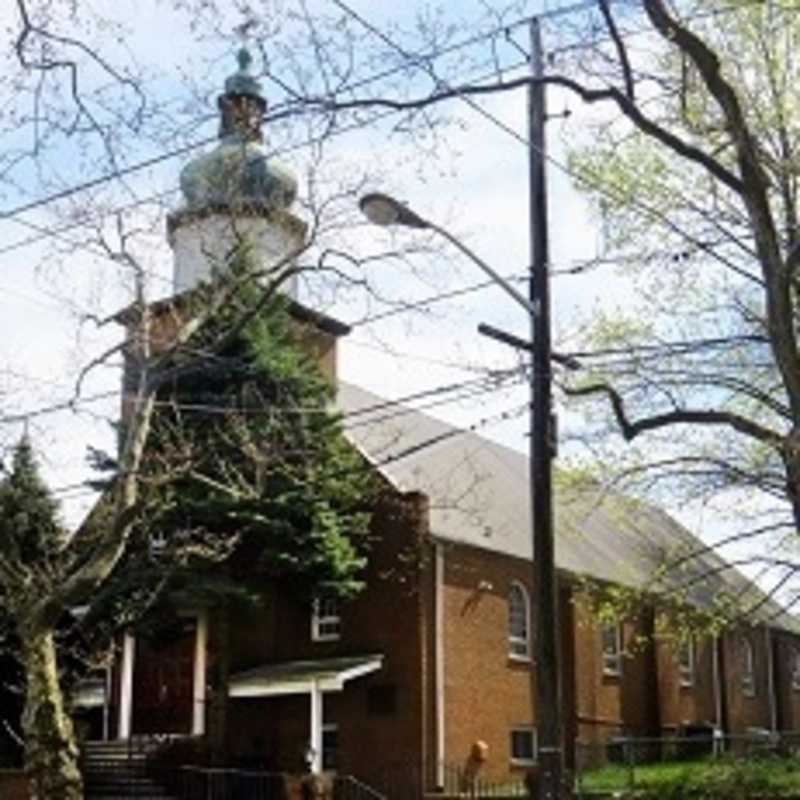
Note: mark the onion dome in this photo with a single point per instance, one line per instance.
(237, 174)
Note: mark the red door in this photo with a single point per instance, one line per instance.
(163, 684)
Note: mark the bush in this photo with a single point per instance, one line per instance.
(724, 780)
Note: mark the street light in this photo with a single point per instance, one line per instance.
(384, 210)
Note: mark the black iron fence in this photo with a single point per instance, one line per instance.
(346, 787)
(138, 777)
(464, 781)
(203, 783)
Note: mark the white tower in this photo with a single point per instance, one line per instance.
(234, 195)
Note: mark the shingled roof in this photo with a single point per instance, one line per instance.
(478, 492)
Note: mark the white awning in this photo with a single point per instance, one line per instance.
(301, 677)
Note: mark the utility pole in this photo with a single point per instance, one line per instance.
(542, 443)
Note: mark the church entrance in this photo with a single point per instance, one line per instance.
(163, 683)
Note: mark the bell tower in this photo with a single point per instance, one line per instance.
(235, 195)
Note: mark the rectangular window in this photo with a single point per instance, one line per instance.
(523, 745)
(611, 640)
(326, 621)
(330, 746)
(686, 662)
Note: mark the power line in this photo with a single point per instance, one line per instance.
(591, 183)
(392, 458)
(287, 111)
(491, 381)
(183, 150)
(11, 214)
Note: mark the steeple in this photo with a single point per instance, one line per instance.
(243, 104)
(235, 192)
(237, 174)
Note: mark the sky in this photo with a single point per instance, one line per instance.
(469, 175)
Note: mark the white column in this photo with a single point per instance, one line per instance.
(199, 689)
(315, 739)
(126, 687)
(107, 694)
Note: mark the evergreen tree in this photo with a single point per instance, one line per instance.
(260, 474)
(30, 531)
(31, 540)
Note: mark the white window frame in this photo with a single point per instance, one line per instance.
(748, 667)
(796, 669)
(158, 543)
(612, 659)
(686, 661)
(326, 619)
(519, 647)
(527, 730)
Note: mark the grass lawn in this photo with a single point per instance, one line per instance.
(767, 775)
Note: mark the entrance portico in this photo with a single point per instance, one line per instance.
(314, 678)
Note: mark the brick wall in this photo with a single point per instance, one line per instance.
(745, 710)
(386, 619)
(487, 692)
(786, 648)
(686, 703)
(13, 785)
(611, 705)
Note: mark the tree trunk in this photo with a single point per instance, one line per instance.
(51, 752)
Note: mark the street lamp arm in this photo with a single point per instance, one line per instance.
(382, 209)
(495, 276)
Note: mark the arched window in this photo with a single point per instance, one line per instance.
(686, 661)
(748, 668)
(518, 622)
(796, 670)
(611, 646)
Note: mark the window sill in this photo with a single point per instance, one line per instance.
(520, 658)
(328, 638)
(523, 762)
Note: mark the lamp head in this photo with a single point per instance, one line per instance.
(381, 209)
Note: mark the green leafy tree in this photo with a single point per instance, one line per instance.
(695, 181)
(258, 464)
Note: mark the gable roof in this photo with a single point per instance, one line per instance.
(479, 496)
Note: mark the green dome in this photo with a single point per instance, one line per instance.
(238, 174)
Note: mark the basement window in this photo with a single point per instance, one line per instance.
(611, 643)
(326, 621)
(523, 745)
